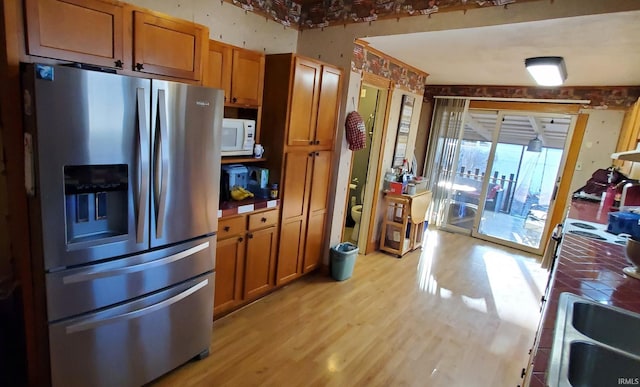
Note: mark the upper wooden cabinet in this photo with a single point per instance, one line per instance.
(168, 46)
(304, 102)
(314, 103)
(217, 71)
(328, 102)
(87, 31)
(238, 71)
(114, 34)
(312, 91)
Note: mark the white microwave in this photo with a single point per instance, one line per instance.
(238, 137)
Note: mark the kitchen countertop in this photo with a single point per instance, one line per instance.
(232, 208)
(588, 268)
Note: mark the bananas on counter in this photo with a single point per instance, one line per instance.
(239, 193)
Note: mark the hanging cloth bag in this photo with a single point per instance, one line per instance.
(355, 130)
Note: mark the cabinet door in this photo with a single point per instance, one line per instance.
(260, 262)
(304, 102)
(294, 202)
(247, 78)
(167, 46)
(318, 209)
(328, 107)
(292, 234)
(87, 31)
(229, 273)
(217, 72)
(629, 137)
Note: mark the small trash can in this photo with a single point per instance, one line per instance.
(343, 259)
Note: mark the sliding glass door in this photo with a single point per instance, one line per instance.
(527, 153)
(502, 174)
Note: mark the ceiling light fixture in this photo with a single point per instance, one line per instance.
(547, 70)
(535, 145)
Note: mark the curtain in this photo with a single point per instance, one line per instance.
(445, 138)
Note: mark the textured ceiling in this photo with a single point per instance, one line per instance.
(599, 50)
(518, 128)
(323, 13)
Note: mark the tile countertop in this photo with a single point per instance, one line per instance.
(589, 211)
(588, 268)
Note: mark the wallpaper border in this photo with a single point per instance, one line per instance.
(601, 97)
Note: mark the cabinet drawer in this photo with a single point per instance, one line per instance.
(231, 226)
(263, 219)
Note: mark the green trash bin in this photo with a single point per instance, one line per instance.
(343, 259)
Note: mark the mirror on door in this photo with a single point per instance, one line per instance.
(367, 108)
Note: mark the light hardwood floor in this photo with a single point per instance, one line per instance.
(459, 312)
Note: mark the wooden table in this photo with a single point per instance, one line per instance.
(404, 222)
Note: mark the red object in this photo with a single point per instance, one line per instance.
(609, 197)
(355, 130)
(395, 187)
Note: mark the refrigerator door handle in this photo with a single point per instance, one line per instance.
(92, 323)
(143, 133)
(164, 156)
(89, 275)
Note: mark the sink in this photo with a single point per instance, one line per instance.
(595, 365)
(593, 344)
(608, 326)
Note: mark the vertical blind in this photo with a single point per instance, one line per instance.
(446, 132)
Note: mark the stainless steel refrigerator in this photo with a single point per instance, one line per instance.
(123, 175)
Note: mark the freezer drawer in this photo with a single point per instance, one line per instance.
(136, 342)
(75, 291)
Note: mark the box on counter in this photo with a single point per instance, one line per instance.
(395, 187)
(260, 175)
(624, 223)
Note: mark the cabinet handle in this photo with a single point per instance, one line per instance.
(311, 154)
(250, 235)
(226, 228)
(241, 239)
(119, 64)
(316, 142)
(139, 66)
(235, 100)
(263, 220)
(523, 373)
(311, 142)
(317, 153)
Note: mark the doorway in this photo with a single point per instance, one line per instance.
(364, 166)
(504, 175)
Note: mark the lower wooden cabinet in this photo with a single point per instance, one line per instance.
(229, 273)
(245, 259)
(307, 176)
(260, 262)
